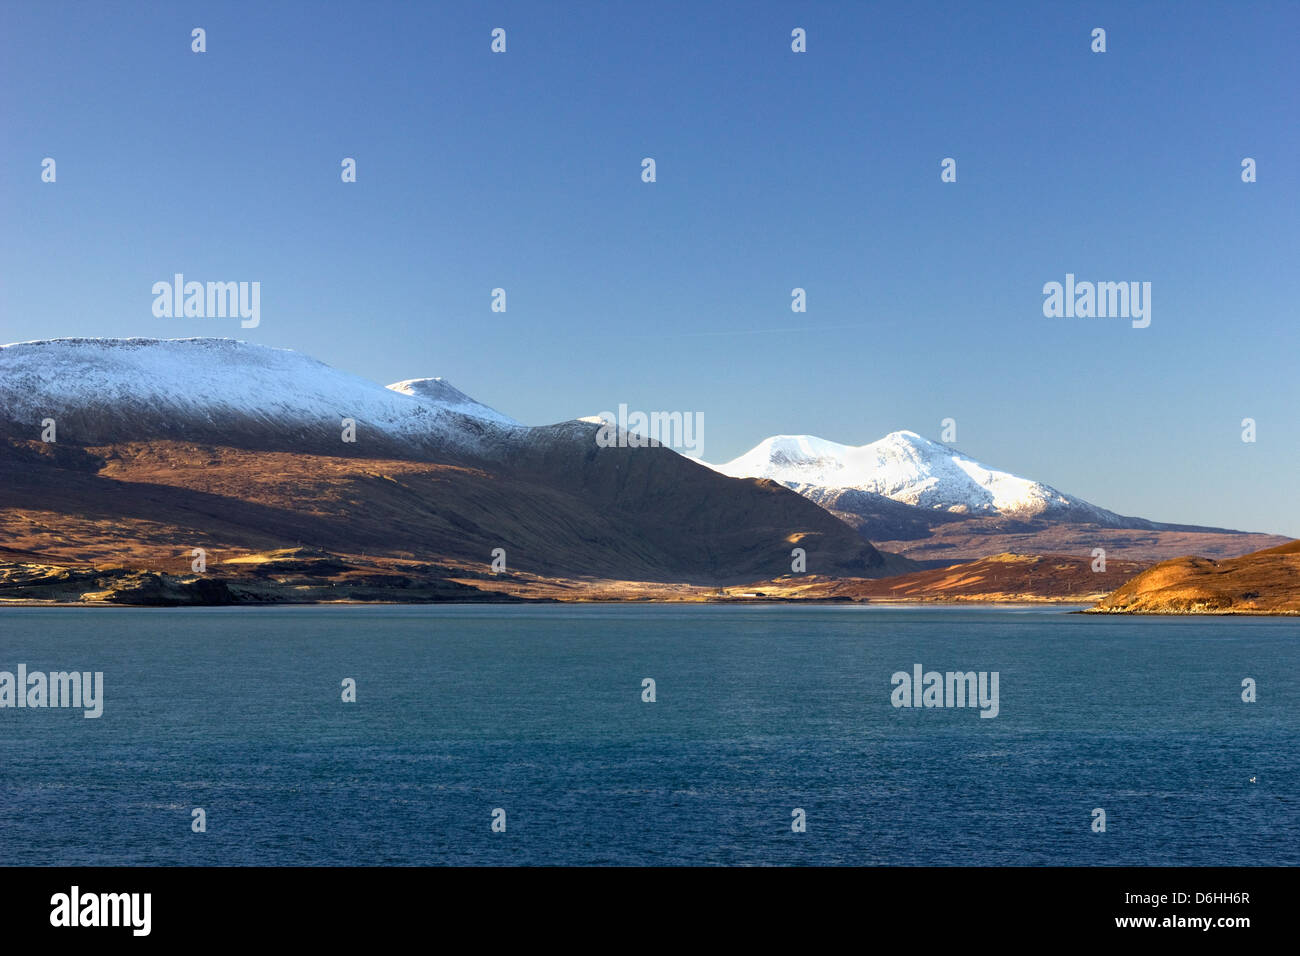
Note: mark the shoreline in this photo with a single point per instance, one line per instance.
(1065, 605)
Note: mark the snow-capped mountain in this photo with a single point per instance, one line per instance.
(930, 503)
(207, 389)
(907, 468)
(442, 393)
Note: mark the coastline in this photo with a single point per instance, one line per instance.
(1066, 605)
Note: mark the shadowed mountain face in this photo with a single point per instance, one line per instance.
(637, 514)
(163, 447)
(1264, 582)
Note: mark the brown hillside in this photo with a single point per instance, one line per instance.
(1264, 582)
(572, 509)
(1001, 578)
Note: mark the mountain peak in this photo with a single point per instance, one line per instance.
(903, 466)
(905, 437)
(442, 393)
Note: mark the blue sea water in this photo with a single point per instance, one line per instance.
(760, 710)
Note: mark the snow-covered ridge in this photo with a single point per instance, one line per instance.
(105, 390)
(904, 467)
(442, 393)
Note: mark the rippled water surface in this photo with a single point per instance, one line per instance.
(760, 710)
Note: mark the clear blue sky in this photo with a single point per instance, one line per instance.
(775, 170)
